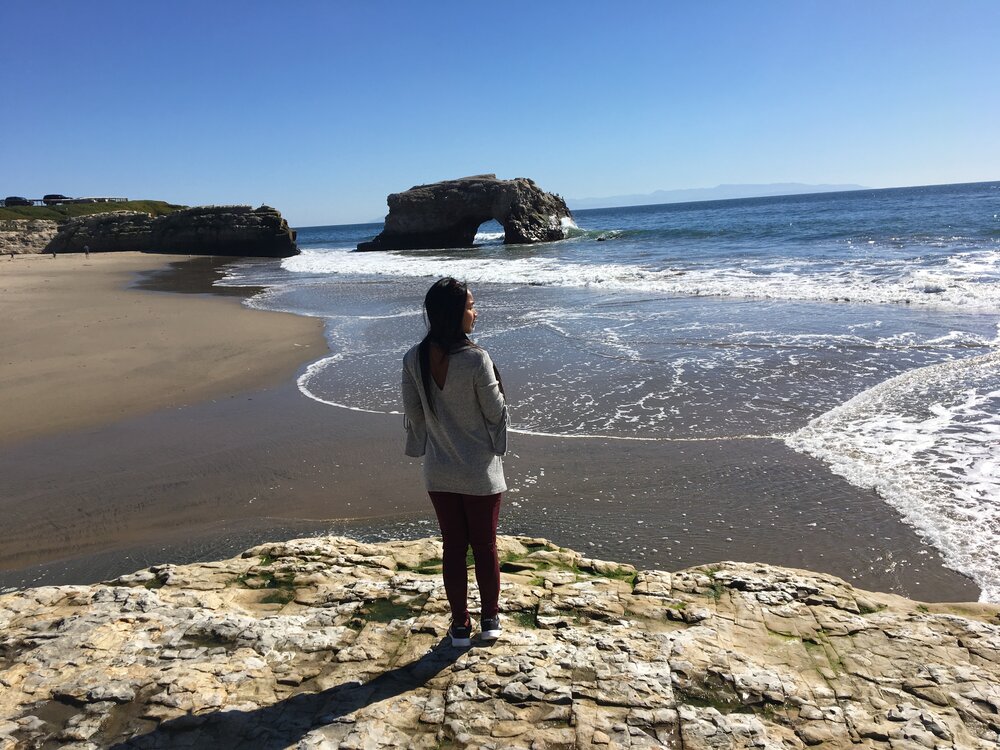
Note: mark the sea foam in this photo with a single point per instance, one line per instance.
(965, 282)
(928, 441)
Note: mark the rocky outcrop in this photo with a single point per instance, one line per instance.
(225, 230)
(117, 231)
(21, 236)
(202, 230)
(447, 214)
(329, 642)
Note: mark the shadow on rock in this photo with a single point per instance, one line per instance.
(284, 723)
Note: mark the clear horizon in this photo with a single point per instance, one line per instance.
(324, 109)
(863, 188)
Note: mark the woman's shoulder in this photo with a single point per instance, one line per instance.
(475, 358)
(473, 353)
(412, 356)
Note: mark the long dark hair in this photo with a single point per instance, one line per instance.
(444, 310)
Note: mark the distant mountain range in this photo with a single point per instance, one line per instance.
(718, 193)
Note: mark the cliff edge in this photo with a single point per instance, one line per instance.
(24, 236)
(201, 230)
(329, 642)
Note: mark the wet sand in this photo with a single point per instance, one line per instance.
(209, 479)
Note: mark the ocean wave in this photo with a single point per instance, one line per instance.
(965, 284)
(483, 238)
(928, 441)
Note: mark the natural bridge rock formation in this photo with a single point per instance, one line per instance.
(447, 214)
(202, 230)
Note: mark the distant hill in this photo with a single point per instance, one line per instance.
(718, 193)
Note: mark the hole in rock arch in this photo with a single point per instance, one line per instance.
(489, 233)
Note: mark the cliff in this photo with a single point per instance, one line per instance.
(202, 230)
(447, 214)
(22, 236)
(329, 642)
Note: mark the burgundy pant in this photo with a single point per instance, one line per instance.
(465, 520)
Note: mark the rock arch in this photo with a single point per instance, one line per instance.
(448, 214)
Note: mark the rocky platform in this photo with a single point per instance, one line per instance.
(201, 230)
(448, 214)
(332, 643)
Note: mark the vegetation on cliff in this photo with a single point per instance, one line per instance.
(73, 210)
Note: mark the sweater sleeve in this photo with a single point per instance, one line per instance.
(492, 405)
(413, 419)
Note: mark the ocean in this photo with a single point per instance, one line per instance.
(861, 328)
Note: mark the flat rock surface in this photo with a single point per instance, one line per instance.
(332, 643)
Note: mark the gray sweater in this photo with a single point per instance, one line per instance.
(464, 436)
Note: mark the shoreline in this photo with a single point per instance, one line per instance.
(203, 480)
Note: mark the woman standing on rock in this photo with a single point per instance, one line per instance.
(456, 418)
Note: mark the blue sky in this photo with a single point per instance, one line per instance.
(323, 108)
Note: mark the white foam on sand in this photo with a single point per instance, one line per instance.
(323, 364)
(928, 441)
(319, 366)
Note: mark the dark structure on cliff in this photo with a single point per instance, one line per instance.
(447, 214)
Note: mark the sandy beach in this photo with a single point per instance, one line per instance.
(80, 349)
(145, 427)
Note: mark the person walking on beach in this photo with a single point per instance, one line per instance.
(456, 418)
